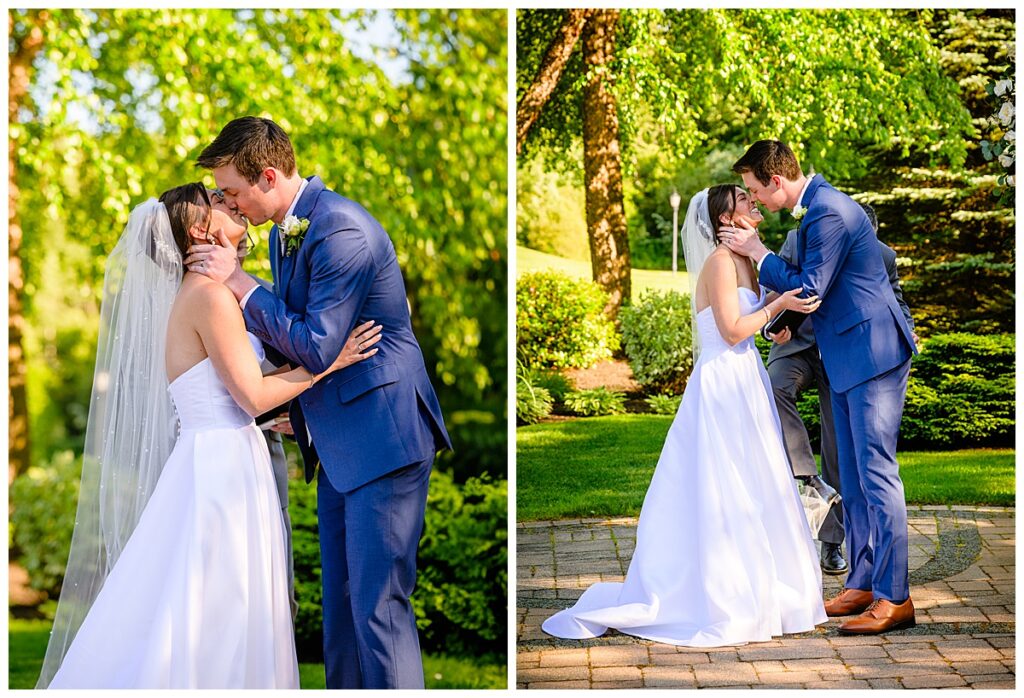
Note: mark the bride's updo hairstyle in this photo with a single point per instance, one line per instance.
(721, 199)
(187, 206)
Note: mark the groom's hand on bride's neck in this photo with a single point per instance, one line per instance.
(220, 263)
(743, 239)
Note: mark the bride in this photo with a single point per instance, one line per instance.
(724, 554)
(177, 576)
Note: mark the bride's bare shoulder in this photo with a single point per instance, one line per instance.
(718, 260)
(201, 293)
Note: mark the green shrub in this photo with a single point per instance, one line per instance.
(533, 403)
(309, 638)
(461, 599)
(461, 592)
(557, 384)
(664, 404)
(658, 340)
(44, 501)
(595, 402)
(560, 322)
(960, 394)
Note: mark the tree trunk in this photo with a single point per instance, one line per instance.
(602, 165)
(550, 72)
(20, 69)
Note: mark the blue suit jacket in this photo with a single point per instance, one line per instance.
(377, 415)
(860, 328)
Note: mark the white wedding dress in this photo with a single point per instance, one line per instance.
(724, 554)
(199, 595)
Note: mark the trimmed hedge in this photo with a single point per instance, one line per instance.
(657, 338)
(961, 394)
(560, 322)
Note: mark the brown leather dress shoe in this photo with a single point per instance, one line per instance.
(849, 602)
(881, 616)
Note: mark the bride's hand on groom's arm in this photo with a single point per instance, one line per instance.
(359, 346)
(790, 300)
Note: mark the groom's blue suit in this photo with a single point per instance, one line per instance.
(866, 347)
(375, 425)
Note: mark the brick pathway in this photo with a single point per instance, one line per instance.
(962, 583)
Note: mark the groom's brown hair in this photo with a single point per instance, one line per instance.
(251, 144)
(768, 158)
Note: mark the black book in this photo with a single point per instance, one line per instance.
(787, 318)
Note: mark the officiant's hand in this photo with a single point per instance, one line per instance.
(218, 261)
(742, 239)
(782, 336)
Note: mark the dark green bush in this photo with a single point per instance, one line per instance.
(658, 340)
(461, 592)
(595, 402)
(461, 598)
(961, 394)
(560, 322)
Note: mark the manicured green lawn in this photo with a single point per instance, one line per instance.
(27, 645)
(528, 260)
(601, 466)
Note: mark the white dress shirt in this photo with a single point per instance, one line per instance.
(280, 238)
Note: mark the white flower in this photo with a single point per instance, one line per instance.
(1010, 136)
(1006, 160)
(1003, 87)
(289, 224)
(1010, 181)
(799, 211)
(1005, 113)
(293, 229)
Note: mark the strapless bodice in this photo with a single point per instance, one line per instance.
(202, 401)
(711, 341)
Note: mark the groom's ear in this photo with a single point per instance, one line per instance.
(270, 177)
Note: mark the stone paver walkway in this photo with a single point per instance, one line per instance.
(962, 583)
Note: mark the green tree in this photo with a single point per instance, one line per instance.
(123, 100)
(839, 85)
(954, 235)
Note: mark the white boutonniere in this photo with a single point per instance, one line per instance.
(294, 231)
(798, 212)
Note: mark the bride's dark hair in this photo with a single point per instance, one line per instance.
(187, 206)
(721, 199)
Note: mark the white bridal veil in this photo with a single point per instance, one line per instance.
(132, 424)
(698, 244)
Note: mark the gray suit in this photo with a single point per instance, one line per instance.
(795, 366)
(280, 465)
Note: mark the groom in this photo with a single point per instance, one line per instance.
(866, 347)
(373, 427)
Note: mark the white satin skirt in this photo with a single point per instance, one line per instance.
(199, 596)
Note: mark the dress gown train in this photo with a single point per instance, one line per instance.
(199, 595)
(724, 554)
